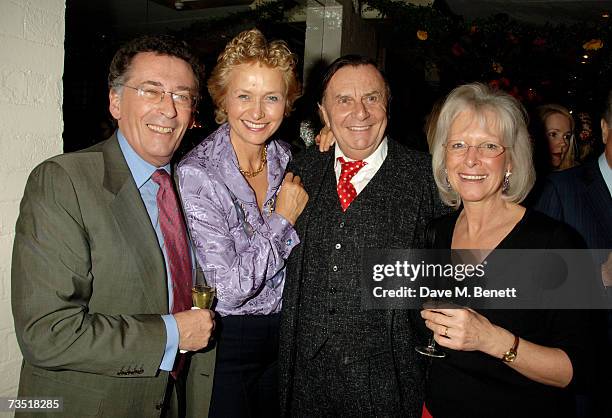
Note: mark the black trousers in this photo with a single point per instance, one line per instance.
(246, 371)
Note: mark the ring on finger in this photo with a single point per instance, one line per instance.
(446, 332)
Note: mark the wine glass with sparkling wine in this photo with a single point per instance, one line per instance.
(203, 291)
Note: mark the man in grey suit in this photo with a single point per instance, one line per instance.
(369, 192)
(101, 271)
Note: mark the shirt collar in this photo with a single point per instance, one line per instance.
(140, 169)
(375, 159)
(606, 171)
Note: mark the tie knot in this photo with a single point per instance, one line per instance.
(161, 177)
(350, 168)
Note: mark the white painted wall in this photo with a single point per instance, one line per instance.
(31, 68)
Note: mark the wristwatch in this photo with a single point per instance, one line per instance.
(510, 355)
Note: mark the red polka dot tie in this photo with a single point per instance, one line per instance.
(346, 190)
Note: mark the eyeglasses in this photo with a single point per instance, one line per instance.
(486, 149)
(155, 95)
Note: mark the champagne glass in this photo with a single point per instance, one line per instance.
(203, 291)
(430, 349)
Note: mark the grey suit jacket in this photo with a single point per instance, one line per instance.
(88, 288)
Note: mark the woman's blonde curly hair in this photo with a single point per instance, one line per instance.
(250, 47)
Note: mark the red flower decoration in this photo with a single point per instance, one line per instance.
(514, 92)
(539, 41)
(457, 49)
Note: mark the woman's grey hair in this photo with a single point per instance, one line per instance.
(511, 122)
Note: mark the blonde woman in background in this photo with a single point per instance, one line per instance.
(555, 129)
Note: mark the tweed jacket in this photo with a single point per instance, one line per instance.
(391, 212)
(89, 286)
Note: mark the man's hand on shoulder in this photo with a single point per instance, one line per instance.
(325, 139)
(195, 328)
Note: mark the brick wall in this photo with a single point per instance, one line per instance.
(31, 67)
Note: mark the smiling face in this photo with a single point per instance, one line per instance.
(355, 108)
(154, 130)
(473, 177)
(255, 103)
(558, 133)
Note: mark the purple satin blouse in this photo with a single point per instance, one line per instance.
(240, 248)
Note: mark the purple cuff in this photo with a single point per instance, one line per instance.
(283, 234)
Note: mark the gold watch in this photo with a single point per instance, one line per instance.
(510, 355)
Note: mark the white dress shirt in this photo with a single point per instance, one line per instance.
(363, 176)
(606, 171)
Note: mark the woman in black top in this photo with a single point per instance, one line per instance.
(498, 363)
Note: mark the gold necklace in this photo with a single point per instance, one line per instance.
(264, 161)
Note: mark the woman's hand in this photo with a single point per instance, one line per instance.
(466, 330)
(325, 139)
(291, 199)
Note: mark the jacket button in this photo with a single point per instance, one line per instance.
(338, 246)
(341, 225)
(335, 268)
(332, 290)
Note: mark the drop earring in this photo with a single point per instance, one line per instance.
(506, 183)
(448, 185)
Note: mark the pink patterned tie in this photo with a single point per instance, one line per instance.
(346, 190)
(177, 248)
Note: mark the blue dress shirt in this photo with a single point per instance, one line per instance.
(141, 172)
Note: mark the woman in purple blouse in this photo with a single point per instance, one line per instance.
(240, 208)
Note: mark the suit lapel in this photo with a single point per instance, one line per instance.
(598, 196)
(135, 226)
